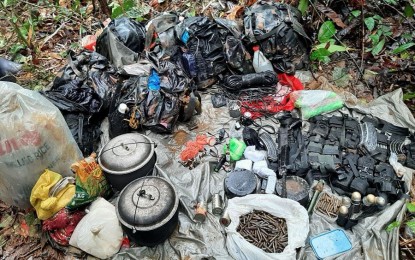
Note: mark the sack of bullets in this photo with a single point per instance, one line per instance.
(264, 230)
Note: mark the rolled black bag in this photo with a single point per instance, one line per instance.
(253, 80)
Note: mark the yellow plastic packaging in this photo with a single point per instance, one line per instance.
(50, 194)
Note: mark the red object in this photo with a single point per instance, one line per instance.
(269, 105)
(291, 81)
(89, 42)
(62, 225)
(255, 48)
(125, 243)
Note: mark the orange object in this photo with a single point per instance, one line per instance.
(193, 148)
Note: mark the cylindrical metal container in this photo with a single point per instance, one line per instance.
(240, 183)
(148, 210)
(126, 158)
(217, 204)
(297, 189)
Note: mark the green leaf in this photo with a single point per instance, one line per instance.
(392, 2)
(15, 48)
(377, 17)
(393, 225)
(116, 10)
(320, 54)
(410, 207)
(378, 47)
(403, 47)
(303, 6)
(411, 225)
(327, 30)
(128, 5)
(374, 38)
(409, 11)
(408, 96)
(332, 47)
(370, 23)
(356, 13)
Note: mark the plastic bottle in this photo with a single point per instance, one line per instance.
(154, 88)
(118, 124)
(260, 62)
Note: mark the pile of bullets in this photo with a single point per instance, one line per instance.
(264, 231)
(328, 205)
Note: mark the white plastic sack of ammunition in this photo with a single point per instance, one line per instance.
(33, 137)
(98, 233)
(295, 215)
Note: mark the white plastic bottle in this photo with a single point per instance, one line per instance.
(260, 62)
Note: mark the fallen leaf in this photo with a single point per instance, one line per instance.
(327, 11)
(55, 55)
(236, 12)
(250, 2)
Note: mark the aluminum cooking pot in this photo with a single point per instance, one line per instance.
(148, 210)
(126, 158)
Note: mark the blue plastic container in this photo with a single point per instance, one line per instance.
(330, 243)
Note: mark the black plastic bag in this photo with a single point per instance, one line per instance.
(201, 37)
(83, 93)
(275, 27)
(218, 100)
(162, 112)
(8, 69)
(122, 41)
(86, 131)
(161, 38)
(172, 75)
(254, 80)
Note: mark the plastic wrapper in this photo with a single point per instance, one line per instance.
(315, 102)
(295, 215)
(33, 136)
(90, 182)
(253, 80)
(51, 193)
(122, 41)
(275, 27)
(98, 233)
(61, 226)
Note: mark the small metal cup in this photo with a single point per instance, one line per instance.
(225, 220)
(217, 204)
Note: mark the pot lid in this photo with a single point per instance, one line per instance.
(147, 203)
(241, 182)
(126, 153)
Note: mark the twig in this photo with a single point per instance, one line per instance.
(52, 35)
(207, 6)
(362, 17)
